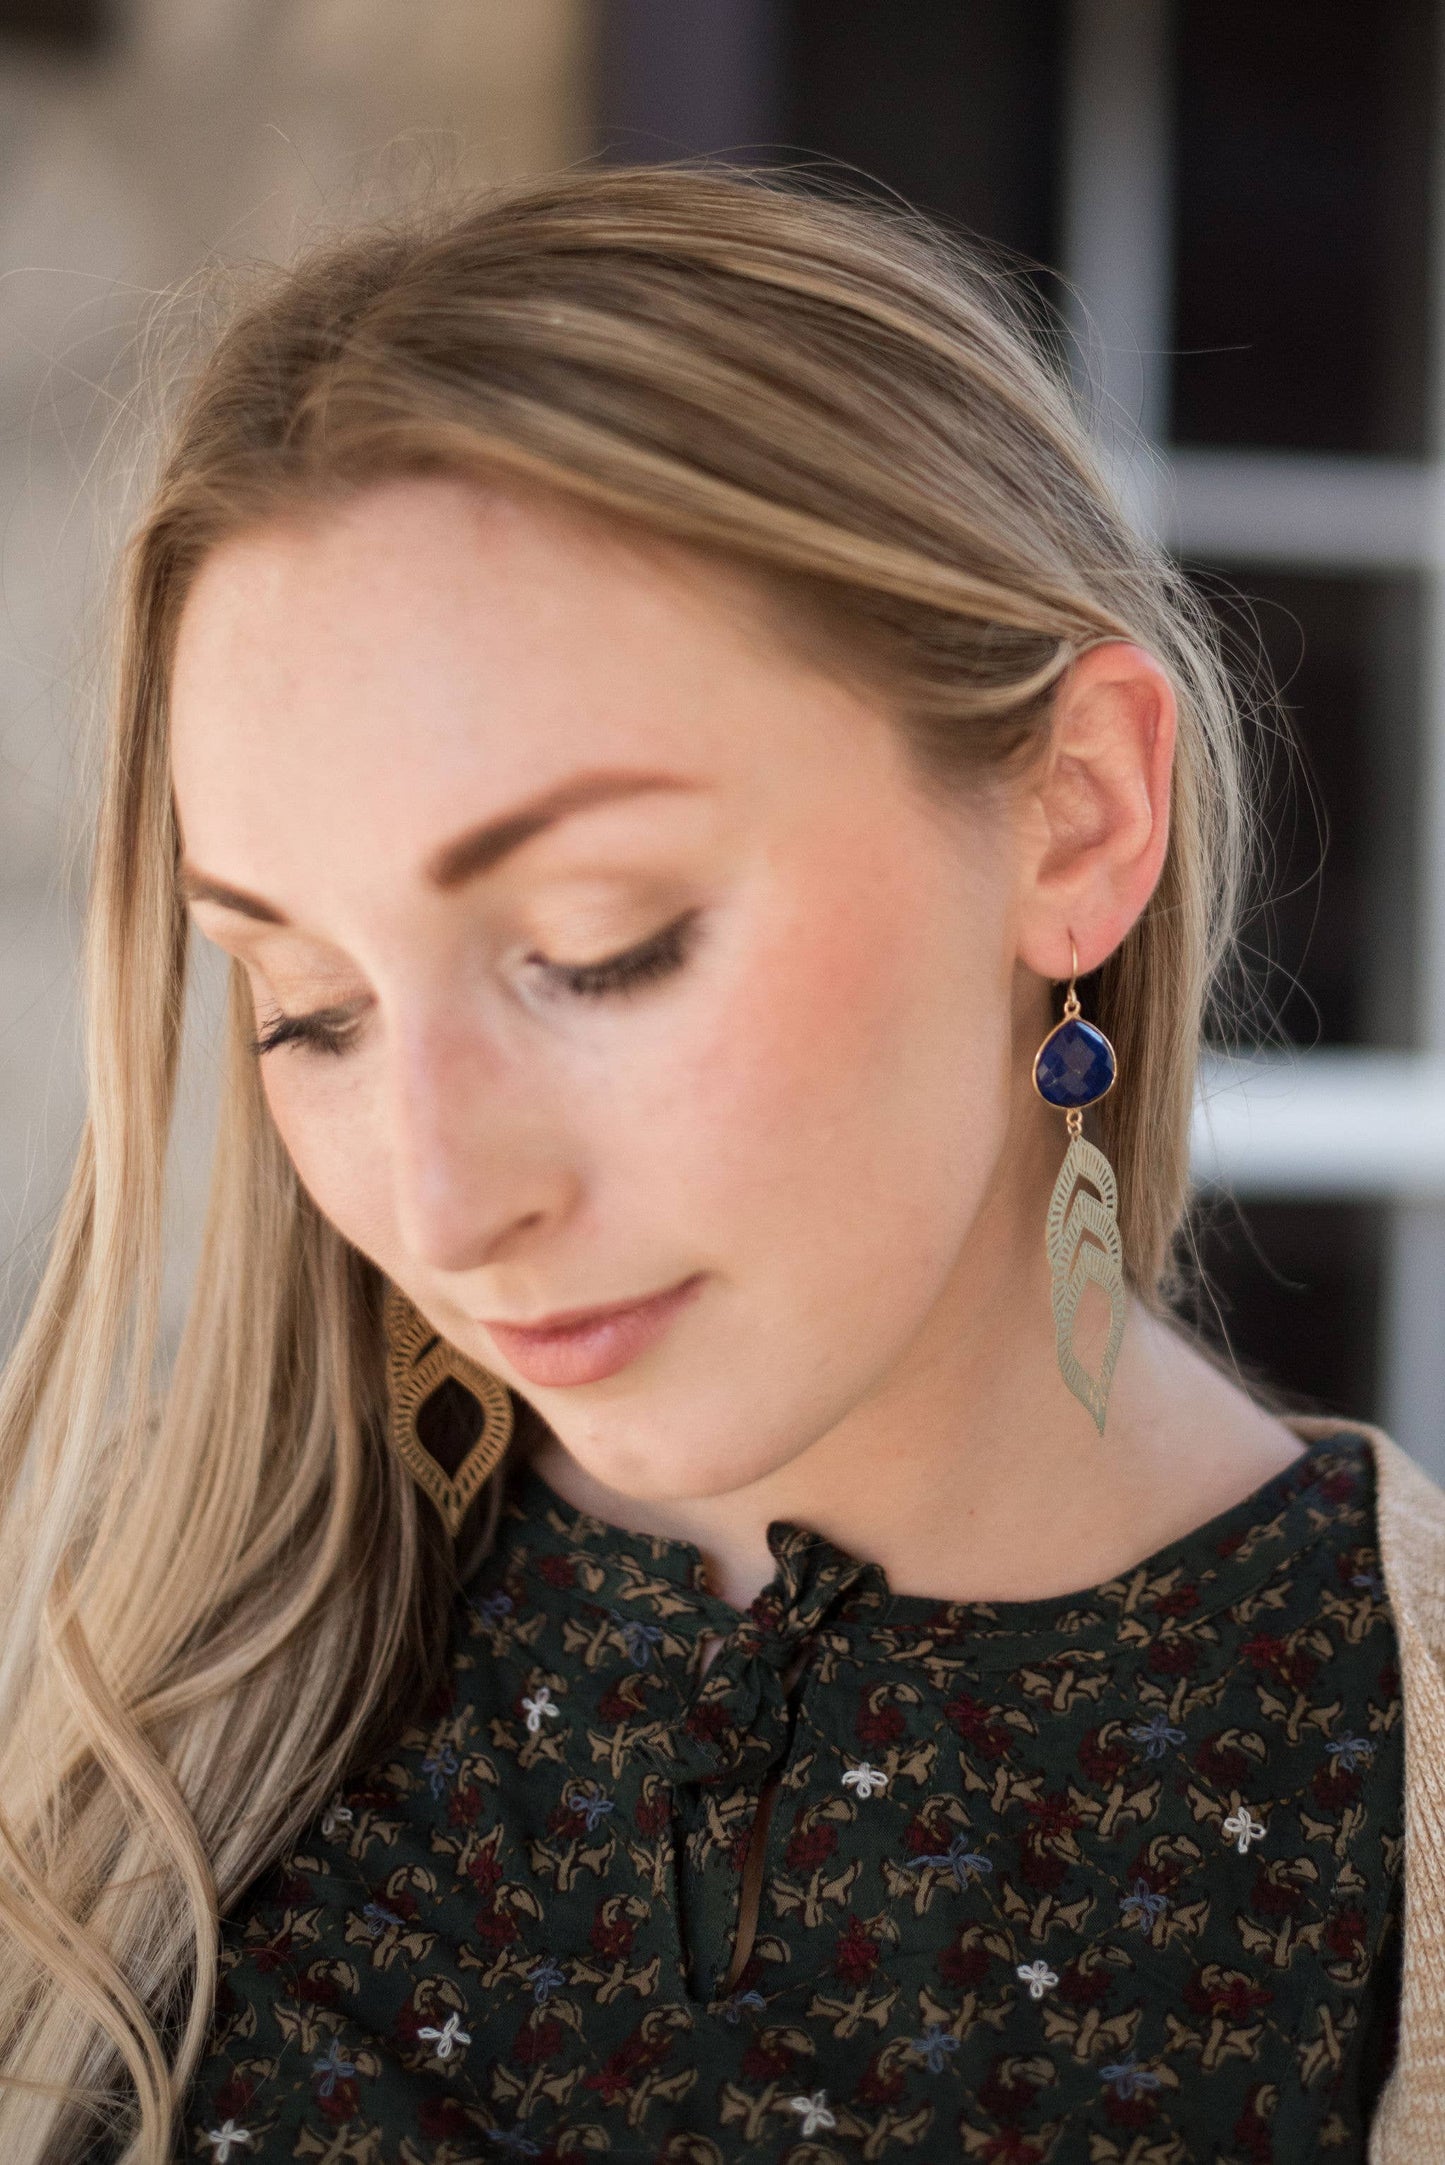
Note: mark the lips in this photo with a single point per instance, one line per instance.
(589, 1344)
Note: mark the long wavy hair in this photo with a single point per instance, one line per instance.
(216, 1596)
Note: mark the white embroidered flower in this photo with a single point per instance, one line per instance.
(224, 2138)
(447, 2038)
(1242, 1828)
(538, 1706)
(814, 2111)
(865, 1780)
(1038, 1977)
(336, 1815)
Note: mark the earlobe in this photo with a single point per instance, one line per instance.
(1100, 823)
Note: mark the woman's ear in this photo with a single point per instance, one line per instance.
(1096, 810)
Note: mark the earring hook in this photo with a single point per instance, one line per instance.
(1071, 997)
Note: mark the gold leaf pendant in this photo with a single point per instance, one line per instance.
(425, 1374)
(1084, 1246)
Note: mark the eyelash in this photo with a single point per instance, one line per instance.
(322, 1032)
(658, 957)
(329, 1031)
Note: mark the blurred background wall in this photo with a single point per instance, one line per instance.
(1237, 203)
(139, 141)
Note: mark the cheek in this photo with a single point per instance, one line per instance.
(329, 1131)
(840, 1112)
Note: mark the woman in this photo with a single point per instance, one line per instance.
(686, 1598)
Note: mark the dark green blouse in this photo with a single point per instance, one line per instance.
(1109, 1878)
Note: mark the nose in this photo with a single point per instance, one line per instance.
(478, 1161)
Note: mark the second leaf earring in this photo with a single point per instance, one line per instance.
(450, 1418)
(1074, 1067)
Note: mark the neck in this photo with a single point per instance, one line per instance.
(973, 1473)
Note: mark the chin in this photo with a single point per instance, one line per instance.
(667, 1474)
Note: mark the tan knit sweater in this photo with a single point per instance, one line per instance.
(1409, 2127)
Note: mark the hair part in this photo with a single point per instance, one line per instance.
(215, 1602)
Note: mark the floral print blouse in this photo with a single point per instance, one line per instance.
(1112, 1878)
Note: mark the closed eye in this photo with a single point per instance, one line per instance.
(326, 1029)
(654, 958)
(332, 1029)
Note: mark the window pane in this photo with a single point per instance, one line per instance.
(1331, 944)
(1302, 198)
(956, 107)
(76, 24)
(1293, 1294)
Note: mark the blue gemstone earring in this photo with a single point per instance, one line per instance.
(1074, 1067)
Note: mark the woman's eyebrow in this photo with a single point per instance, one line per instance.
(198, 886)
(467, 856)
(482, 848)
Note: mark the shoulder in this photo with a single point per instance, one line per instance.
(1410, 1520)
(1410, 1515)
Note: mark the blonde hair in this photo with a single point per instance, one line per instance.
(216, 1604)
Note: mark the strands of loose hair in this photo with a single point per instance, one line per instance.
(217, 1599)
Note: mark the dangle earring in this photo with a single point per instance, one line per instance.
(1074, 1067)
(450, 1420)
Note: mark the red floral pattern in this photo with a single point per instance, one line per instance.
(1115, 1878)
